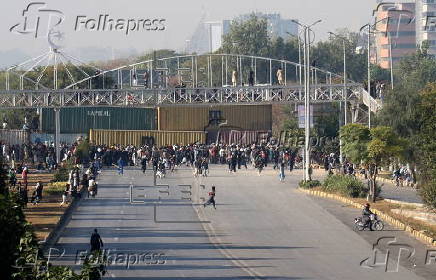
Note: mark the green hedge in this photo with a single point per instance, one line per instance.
(61, 175)
(309, 184)
(428, 194)
(345, 185)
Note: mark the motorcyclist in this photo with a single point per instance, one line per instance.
(366, 213)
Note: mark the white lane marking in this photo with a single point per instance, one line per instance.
(217, 242)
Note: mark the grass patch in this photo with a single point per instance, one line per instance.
(309, 184)
(55, 189)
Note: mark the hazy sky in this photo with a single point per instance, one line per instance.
(181, 18)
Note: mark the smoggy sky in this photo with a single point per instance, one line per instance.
(181, 19)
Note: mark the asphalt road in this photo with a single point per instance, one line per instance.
(261, 229)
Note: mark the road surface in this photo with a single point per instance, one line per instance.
(261, 229)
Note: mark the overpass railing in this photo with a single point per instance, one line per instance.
(176, 96)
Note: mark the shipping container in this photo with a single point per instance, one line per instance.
(200, 118)
(80, 120)
(50, 138)
(138, 137)
(240, 137)
(14, 136)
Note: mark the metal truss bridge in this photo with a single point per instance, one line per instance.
(223, 79)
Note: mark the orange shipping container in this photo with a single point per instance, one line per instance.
(191, 118)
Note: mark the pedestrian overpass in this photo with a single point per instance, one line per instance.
(199, 80)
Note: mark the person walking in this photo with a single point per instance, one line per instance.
(65, 195)
(96, 242)
(37, 194)
(282, 170)
(92, 187)
(121, 165)
(279, 75)
(24, 177)
(144, 164)
(24, 199)
(211, 199)
(12, 178)
(251, 78)
(235, 78)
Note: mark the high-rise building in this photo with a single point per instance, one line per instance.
(426, 23)
(395, 35)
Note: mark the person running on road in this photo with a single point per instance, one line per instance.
(144, 164)
(282, 169)
(96, 242)
(211, 199)
(259, 164)
(205, 167)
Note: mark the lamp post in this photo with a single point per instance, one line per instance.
(307, 42)
(345, 92)
(369, 26)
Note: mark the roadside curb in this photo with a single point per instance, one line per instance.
(400, 225)
(54, 235)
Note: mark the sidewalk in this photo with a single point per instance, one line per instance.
(390, 191)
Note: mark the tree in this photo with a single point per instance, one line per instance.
(248, 37)
(426, 145)
(382, 149)
(374, 148)
(329, 55)
(355, 139)
(408, 109)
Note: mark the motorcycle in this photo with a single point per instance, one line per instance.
(374, 223)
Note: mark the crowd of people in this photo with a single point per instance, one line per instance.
(89, 161)
(198, 157)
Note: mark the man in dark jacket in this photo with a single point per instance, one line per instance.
(144, 164)
(366, 213)
(96, 242)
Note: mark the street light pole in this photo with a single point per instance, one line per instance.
(369, 69)
(344, 91)
(391, 61)
(307, 104)
(307, 42)
(369, 74)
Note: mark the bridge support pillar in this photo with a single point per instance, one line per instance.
(57, 112)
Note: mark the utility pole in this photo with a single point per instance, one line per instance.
(369, 74)
(307, 42)
(345, 95)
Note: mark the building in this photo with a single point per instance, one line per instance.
(395, 33)
(208, 36)
(426, 23)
